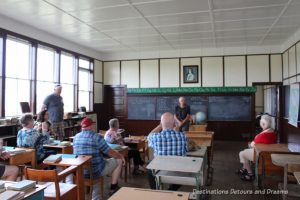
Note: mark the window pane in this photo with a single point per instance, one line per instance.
(16, 91)
(84, 80)
(67, 69)
(68, 97)
(84, 99)
(45, 64)
(84, 63)
(17, 59)
(43, 89)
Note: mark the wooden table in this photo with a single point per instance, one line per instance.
(181, 169)
(21, 158)
(80, 161)
(283, 160)
(36, 193)
(135, 143)
(146, 194)
(297, 176)
(270, 148)
(60, 148)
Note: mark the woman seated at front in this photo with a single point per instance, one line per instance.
(30, 138)
(113, 137)
(267, 136)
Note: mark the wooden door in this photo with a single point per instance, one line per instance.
(115, 101)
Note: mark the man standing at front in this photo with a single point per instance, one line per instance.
(182, 114)
(55, 106)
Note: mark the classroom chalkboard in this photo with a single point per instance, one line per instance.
(168, 104)
(141, 108)
(218, 108)
(229, 108)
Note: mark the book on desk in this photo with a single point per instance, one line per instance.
(22, 185)
(53, 158)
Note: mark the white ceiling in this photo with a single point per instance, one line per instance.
(150, 25)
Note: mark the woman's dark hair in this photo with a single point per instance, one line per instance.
(41, 116)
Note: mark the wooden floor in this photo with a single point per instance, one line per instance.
(225, 164)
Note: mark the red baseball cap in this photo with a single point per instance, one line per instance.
(86, 122)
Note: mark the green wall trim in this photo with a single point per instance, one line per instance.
(191, 90)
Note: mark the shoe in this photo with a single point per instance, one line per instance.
(241, 172)
(111, 192)
(248, 177)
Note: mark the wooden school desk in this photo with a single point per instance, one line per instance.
(177, 170)
(283, 160)
(146, 194)
(268, 149)
(202, 153)
(21, 158)
(36, 193)
(135, 143)
(80, 161)
(203, 140)
(297, 176)
(60, 148)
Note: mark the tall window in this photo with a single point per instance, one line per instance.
(1, 75)
(46, 74)
(68, 79)
(85, 81)
(18, 75)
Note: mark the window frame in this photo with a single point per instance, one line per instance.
(4, 34)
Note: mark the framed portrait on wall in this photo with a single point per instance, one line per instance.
(190, 74)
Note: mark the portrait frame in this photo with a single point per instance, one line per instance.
(190, 74)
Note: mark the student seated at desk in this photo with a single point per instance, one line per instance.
(166, 140)
(267, 136)
(88, 142)
(28, 137)
(112, 136)
(43, 125)
(8, 172)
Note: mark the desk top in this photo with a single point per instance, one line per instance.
(197, 135)
(176, 163)
(146, 194)
(297, 176)
(28, 192)
(271, 148)
(65, 162)
(57, 146)
(133, 140)
(284, 159)
(200, 152)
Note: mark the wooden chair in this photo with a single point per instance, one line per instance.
(55, 190)
(90, 182)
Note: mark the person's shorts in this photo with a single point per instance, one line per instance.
(2, 170)
(110, 166)
(58, 128)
